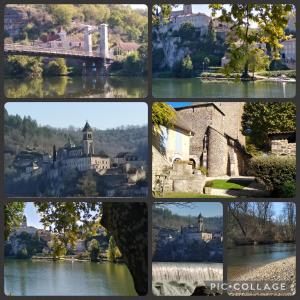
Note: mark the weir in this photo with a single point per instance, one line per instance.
(181, 279)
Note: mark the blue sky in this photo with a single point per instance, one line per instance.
(203, 8)
(179, 104)
(100, 115)
(207, 209)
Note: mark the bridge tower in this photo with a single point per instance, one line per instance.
(88, 39)
(103, 49)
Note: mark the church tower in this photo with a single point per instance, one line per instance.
(24, 222)
(87, 140)
(187, 9)
(200, 223)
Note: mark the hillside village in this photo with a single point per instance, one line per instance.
(37, 242)
(122, 175)
(204, 39)
(194, 242)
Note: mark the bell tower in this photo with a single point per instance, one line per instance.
(187, 9)
(200, 223)
(87, 140)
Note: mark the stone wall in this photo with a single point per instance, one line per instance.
(283, 147)
(199, 118)
(217, 153)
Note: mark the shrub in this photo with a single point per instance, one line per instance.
(94, 249)
(288, 189)
(22, 253)
(275, 172)
(57, 67)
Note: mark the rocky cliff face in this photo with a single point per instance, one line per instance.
(167, 44)
(127, 222)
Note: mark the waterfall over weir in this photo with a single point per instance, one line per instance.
(181, 279)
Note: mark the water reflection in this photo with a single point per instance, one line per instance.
(66, 87)
(46, 278)
(195, 87)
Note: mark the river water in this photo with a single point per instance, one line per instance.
(243, 258)
(68, 87)
(62, 278)
(181, 279)
(195, 87)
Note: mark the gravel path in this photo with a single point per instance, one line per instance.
(283, 270)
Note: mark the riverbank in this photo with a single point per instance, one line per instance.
(283, 270)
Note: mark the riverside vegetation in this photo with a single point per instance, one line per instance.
(43, 20)
(262, 247)
(75, 236)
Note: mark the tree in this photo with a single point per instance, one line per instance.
(271, 21)
(56, 67)
(259, 119)
(113, 252)
(23, 66)
(57, 247)
(87, 185)
(13, 216)
(162, 115)
(161, 14)
(62, 13)
(94, 249)
(184, 68)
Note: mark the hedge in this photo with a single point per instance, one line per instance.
(275, 172)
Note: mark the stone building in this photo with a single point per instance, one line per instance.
(171, 170)
(197, 233)
(283, 143)
(218, 142)
(81, 157)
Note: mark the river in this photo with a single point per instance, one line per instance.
(62, 278)
(195, 87)
(243, 258)
(82, 87)
(181, 279)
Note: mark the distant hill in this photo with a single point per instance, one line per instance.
(25, 132)
(162, 217)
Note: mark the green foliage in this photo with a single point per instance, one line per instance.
(186, 32)
(113, 252)
(62, 13)
(203, 170)
(57, 247)
(161, 14)
(277, 65)
(184, 68)
(56, 67)
(240, 56)
(162, 115)
(94, 249)
(23, 66)
(271, 19)
(287, 73)
(263, 118)
(22, 254)
(13, 216)
(274, 172)
(288, 189)
(133, 64)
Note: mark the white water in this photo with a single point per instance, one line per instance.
(181, 279)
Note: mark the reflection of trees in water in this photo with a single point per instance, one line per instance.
(108, 87)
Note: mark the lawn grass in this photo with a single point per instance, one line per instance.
(230, 184)
(189, 195)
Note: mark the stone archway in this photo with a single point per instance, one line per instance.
(193, 163)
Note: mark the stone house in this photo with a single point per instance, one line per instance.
(283, 143)
(218, 142)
